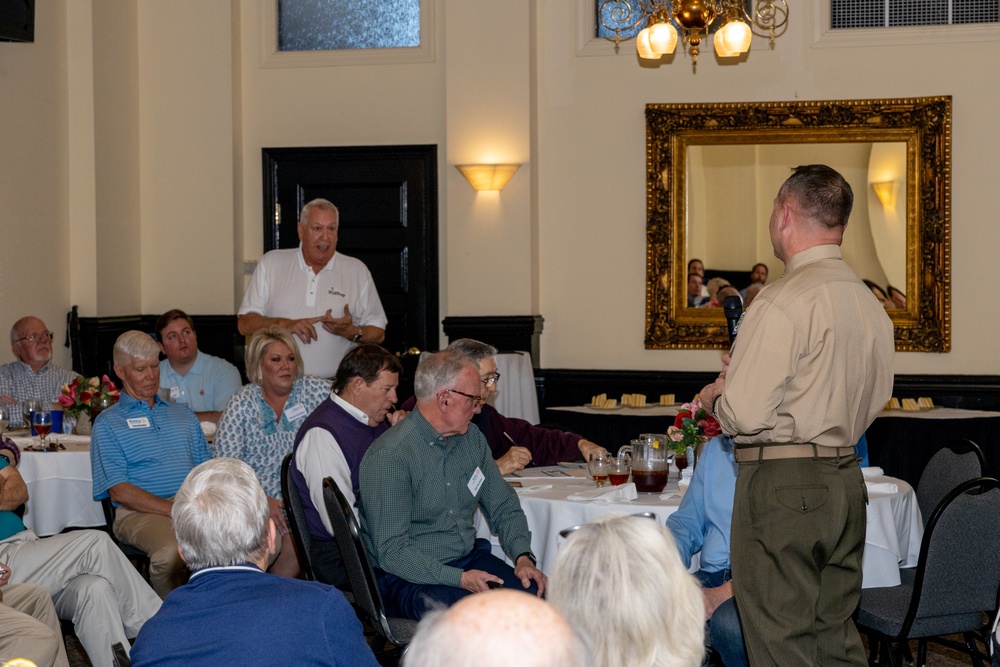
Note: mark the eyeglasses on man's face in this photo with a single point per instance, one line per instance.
(476, 400)
(491, 381)
(35, 337)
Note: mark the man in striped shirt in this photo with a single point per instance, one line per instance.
(141, 450)
(32, 377)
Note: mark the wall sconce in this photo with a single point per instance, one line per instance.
(886, 193)
(488, 176)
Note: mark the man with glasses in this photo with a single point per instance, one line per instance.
(421, 483)
(32, 377)
(515, 442)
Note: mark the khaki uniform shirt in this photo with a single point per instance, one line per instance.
(812, 361)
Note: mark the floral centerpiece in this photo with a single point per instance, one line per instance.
(692, 426)
(82, 394)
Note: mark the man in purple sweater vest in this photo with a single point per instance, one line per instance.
(333, 439)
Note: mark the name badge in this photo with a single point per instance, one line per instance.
(476, 481)
(175, 393)
(297, 411)
(141, 422)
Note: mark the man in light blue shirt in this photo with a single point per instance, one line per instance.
(141, 450)
(701, 524)
(200, 381)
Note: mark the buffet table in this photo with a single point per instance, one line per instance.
(895, 527)
(60, 486)
(611, 428)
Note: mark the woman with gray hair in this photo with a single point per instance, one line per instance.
(620, 582)
(259, 423)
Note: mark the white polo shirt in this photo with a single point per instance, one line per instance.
(283, 285)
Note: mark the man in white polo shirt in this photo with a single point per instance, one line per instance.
(325, 298)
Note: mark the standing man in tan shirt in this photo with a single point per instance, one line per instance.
(810, 370)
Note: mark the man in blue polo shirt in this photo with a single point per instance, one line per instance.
(141, 450)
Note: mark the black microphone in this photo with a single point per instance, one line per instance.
(732, 306)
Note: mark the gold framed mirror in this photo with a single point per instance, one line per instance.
(712, 173)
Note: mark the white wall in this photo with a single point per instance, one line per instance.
(566, 238)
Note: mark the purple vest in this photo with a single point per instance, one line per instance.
(354, 439)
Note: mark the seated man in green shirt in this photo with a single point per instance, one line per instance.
(421, 483)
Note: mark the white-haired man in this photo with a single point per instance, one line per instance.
(231, 611)
(311, 285)
(521, 630)
(421, 483)
(141, 450)
(32, 377)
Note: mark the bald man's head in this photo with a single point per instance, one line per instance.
(496, 629)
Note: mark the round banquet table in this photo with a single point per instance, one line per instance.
(892, 541)
(60, 486)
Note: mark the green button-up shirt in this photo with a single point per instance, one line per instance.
(417, 507)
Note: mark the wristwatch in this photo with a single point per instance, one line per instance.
(357, 336)
(531, 557)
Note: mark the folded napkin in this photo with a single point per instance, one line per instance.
(873, 471)
(606, 494)
(881, 487)
(524, 490)
(208, 428)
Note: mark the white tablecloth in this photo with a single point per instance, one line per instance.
(60, 486)
(892, 541)
(940, 413)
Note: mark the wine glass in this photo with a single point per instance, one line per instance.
(619, 469)
(598, 466)
(5, 414)
(27, 409)
(42, 421)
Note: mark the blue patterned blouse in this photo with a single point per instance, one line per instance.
(249, 431)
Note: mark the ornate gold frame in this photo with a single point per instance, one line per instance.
(924, 124)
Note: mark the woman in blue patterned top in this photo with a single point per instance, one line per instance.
(259, 423)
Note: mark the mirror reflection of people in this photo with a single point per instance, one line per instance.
(714, 285)
(725, 291)
(880, 294)
(758, 276)
(694, 290)
(897, 297)
(697, 266)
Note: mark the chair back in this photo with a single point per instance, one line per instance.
(958, 573)
(360, 573)
(296, 516)
(135, 555)
(960, 461)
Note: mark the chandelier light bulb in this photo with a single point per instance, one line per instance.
(721, 48)
(737, 37)
(662, 38)
(642, 45)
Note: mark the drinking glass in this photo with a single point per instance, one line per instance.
(42, 421)
(27, 409)
(619, 469)
(5, 414)
(598, 466)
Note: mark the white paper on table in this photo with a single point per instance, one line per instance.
(882, 487)
(615, 494)
(872, 471)
(525, 490)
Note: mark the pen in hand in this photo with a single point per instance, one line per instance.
(514, 444)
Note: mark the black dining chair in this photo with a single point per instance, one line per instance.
(367, 597)
(959, 461)
(296, 517)
(953, 589)
(135, 555)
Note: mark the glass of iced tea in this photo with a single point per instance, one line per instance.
(619, 469)
(599, 464)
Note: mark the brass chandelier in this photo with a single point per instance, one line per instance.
(731, 20)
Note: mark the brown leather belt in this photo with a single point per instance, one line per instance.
(745, 453)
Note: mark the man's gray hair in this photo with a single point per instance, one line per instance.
(320, 204)
(620, 582)
(473, 349)
(135, 345)
(220, 515)
(438, 371)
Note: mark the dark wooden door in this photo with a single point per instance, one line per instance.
(387, 197)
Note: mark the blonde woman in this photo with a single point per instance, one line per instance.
(259, 423)
(620, 582)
